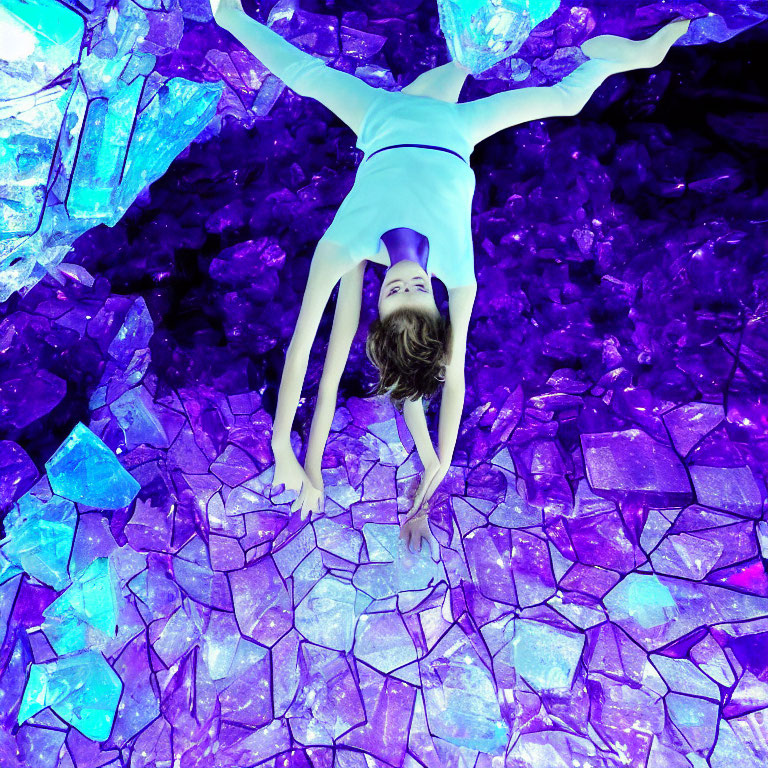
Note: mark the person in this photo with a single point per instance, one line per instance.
(410, 210)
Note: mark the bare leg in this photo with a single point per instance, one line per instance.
(608, 54)
(347, 96)
(443, 83)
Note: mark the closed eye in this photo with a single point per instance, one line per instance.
(394, 290)
(420, 286)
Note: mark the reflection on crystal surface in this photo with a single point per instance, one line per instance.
(89, 602)
(82, 132)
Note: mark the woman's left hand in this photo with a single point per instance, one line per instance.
(414, 531)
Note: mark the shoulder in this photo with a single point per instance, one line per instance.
(333, 260)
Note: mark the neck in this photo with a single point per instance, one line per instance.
(404, 244)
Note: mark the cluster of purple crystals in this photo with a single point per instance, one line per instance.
(601, 597)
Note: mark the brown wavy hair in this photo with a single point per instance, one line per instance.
(410, 348)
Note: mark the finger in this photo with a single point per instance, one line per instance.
(299, 501)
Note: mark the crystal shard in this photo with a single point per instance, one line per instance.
(88, 604)
(479, 33)
(326, 616)
(83, 469)
(460, 697)
(41, 41)
(39, 538)
(82, 689)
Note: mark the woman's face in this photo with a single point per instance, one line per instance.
(406, 284)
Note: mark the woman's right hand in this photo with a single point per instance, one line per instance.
(291, 475)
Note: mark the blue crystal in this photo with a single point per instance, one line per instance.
(134, 333)
(85, 470)
(480, 33)
(165, 126)
(39, 538)
(461, 702)
(643, 598)
(83, 690)
(116, 123)
(90, 602)
(7, 569)
(326, 616)
(41, 41)
(544, 655)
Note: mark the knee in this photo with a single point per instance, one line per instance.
(301, 75)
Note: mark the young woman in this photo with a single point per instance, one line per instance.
(409, 209)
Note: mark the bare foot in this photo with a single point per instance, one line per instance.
(636, 54)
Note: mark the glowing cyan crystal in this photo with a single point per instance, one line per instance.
(82, 132)
(41, 41)
(85, 470)
(39, 538)
(89, 603)
(83, 690)
(644, 599)
(480, 33)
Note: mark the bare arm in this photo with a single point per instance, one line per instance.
(416, 421)
(327, 267)
(460, 302)
(346, 320)
(279, 56)
(347, 96)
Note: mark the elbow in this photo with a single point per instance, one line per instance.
(296, 358)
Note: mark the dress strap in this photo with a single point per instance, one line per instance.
(423, 146)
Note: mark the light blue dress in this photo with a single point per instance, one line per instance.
(427, 190)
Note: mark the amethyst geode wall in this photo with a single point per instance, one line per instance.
(601, 597)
